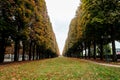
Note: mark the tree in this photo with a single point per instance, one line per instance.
(96, 21)
(27, 22)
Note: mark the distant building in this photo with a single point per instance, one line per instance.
(117, 50)
(117, 44)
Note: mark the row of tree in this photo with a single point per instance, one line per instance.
(97, 23)
(26, 24)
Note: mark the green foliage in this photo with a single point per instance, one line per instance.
(94, 19)
(107, 49)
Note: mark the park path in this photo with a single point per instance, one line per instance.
(104, 64)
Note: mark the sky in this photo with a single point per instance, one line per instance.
(61, 13)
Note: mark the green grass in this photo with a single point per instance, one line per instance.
(58, 69)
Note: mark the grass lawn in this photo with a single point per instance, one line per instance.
(58, 69)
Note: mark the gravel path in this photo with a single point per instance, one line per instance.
(104, 64)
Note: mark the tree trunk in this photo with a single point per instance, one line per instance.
(16, 50)
(23, 55)
(40, 55)
(48, 55)
(89, 51)
(113, 44)
(37, 54)
(2, 49)
(85, 51)
(82, 50)
(33, 51)
(85, 54)
(114, 51)
(101, 50)
(30, 50)
(82, 54)
(94, 56)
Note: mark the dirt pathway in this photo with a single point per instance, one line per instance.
(104, 64)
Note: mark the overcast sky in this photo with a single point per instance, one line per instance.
(61, 12)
